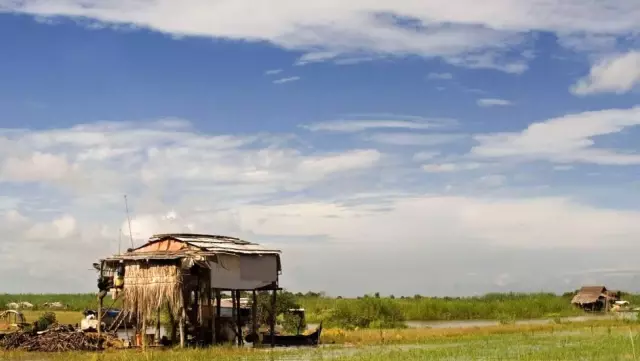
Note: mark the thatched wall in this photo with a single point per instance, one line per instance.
(147, 287)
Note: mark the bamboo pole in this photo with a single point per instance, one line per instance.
(183, 317)
(272, 325)
(212, 322)
(239, 320)
(254, 318)
(144, 333)
(158, 327)
(100, 298)
(218, 311)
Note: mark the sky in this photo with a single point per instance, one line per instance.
(402, 147)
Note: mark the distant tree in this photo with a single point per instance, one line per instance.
(392, 297)
(376, 295)
(339, 297)
(284, 302)
(417, 297)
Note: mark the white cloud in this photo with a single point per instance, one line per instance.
(425, 155)
(466, 32)
(92, 158)
(36, 167)
(565, 139)
(286, 80)
(414, 139)
(450, 167)
(380, 122)
(440, 76)
(493, 102)
(60, 228)
(273, 72)
(493, 180)
(317, 206)
(613, 74)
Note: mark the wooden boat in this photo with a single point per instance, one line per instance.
(312, 339)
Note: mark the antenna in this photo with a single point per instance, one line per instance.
(128, 219)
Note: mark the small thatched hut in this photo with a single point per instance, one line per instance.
(186, 273)
(595, 298)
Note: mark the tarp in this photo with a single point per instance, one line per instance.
(243, 272)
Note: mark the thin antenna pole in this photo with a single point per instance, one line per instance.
(126, 204)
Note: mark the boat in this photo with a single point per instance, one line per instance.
(312, 339)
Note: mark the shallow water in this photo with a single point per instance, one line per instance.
(486, 323)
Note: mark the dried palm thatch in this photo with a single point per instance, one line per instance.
(149, 286)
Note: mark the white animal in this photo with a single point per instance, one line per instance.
(26, 305)
(53, 305)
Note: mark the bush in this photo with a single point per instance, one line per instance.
(284, 302)
(46, 320)
(366, 313)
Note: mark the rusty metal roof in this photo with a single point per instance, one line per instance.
(215, 243)
(204, 245)
(590, 294)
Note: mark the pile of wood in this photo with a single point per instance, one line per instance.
(58, 338)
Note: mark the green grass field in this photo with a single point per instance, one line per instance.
(597, 341)
(488, 307)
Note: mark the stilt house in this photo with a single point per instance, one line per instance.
(186, 274)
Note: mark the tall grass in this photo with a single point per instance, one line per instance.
(72, 302)
(496, 306)
(487, 307)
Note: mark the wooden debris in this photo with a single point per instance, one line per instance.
(58, 338)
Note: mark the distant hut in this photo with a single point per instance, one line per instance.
(185, 274)
(595, 298)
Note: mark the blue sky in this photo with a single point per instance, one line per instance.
(405, 128)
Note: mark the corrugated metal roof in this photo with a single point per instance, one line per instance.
(205, 245)
(214, 243)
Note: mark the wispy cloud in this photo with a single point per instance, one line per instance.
(414, 139)
(366, 122)
(273, 72)
(286, 80)
(493, 102)
(450, 167)
(425, 155)
(613, 74)
(566, 139)
(440, 76)
(469, 34)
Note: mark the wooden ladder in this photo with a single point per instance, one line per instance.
(117, 322)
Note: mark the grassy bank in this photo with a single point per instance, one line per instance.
(488, 307)
(597, 341)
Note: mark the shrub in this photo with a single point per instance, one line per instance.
(46, 320)
(366, 313)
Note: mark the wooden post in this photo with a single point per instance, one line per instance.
(272, 324)
(234, 316)
(212, 322)
(239, 319)
(183, 317)
(172, 320)
(100, 298)
(218, 311)
(143, 333)
(199, 305)
(254, 318)
(158, 327)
